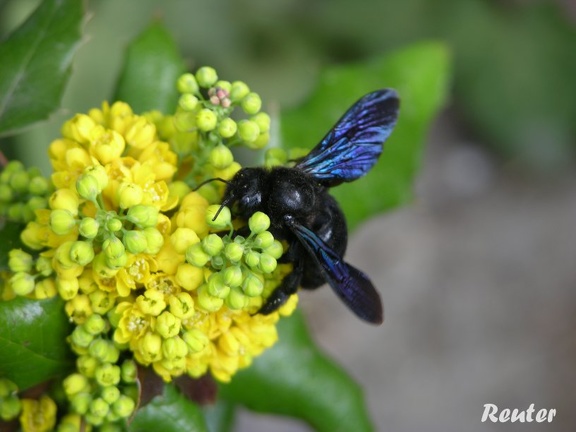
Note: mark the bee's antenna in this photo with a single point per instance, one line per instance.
(210, 181)
(224, 204)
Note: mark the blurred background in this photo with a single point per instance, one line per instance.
(478, 273)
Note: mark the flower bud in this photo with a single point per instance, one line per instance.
(236, 299)
(252, 258)
(22, 283)
(129, 194)
(181, 305)
(248, 130)
(232, 276)
(82, 253)
(260, 142)
(67, 288)
(187, 83)
(107, 374)
(80, 337)
(212, 244)
(258, 222)
(38, 186)
(206, 76)
(150, 347)
(124, 406)
(195, 339)
(216, 286)
(75, 383)
(167, 325)
(64, 199)
(19, 181)
(143, 216)
(196, 256)
(174, 348)
(251, 103)
(6, 194)
(99, 173)
(263, 240)
(135, 241)
(110, 394)
(179, 189)
(88, 187)
(36, 203)
(275, 249)
(207, 302)
(81, 402)
(129, 371)
(19, 261)
(267, 263)
(7, 388)
(151, 302)
(221, 157)
(252, 285)
(10, 408)
(46, 288)
(221, 221)
(62, 221)
(88, 227)
(95, 324)
(263, 121)
(234, 251)
(227, 128)
(238, 90)
(113, 247)
(188, 102)
(154, 240)
(189, 276)
(206, 120)
(114, 225)
(99, 408)
(183, 238)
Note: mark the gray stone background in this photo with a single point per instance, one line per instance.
(478, 278)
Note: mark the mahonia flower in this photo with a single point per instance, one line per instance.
(152, 271)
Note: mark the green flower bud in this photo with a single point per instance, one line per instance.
(75, 383)
(22, 283)
(62, 221)
(252, 285)
(82, 253)
(179, 189)
(206, 76)
(251, 103)
(259, 222)
(224, 85)
(252, 259)
(223, 220)
(267, 263)
(16, 211)
(36, 203)
(99, 173)
(236, 299)
(117, 262)
(248, 130)
(19, 261)
(174, 348)
(81, 402)
(150, 347)
(195, 339)
(114, 224)
(81, 338)
(6, 194)
(212, 244)
(260, 142)
(238, 91)
(143, 216)
(196, 256)
(129, 195)
(124, 406)
(187, 83)
(113, 247)
(188, 102)
(207, 302)
(227, 128)
(95, 324)
(67, 288)
(275, 250)
(221, 157)
(181, 305)
(232, 276)
(99, 408)
(44, 266)
(19, 181)
(88, 227)
(10, 407)
(206, 120)
(216, 287)
(129, 371)
(7, 388)
(88, 187)
(263, 240)
(87, 365)
(154, 240)
(167, 325)
(38, 186)
(107, 374)
(110, 394)
(263, 121)
(135, 241)
(234, 251)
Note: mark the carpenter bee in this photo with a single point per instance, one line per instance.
(309, 219)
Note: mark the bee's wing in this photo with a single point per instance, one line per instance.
(354, 144)
(350, 284)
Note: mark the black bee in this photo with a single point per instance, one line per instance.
(303, 213)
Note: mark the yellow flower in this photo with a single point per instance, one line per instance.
(38, 415)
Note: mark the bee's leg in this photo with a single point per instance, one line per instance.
(288, 287)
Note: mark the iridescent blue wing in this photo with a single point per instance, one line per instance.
(354, 144)
(352, 286)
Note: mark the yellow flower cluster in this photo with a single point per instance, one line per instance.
(113, 244)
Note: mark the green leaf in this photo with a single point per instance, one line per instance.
(33, 340)
(420, 75)
(36, 60)
(169, 412)
(295, 379)
(151, 68)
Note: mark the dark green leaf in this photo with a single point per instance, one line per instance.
(33, 340)
(152, 66)
(295, 379)
(10, 234)
(36, 61)
(220, 416)
(170, 412)
(420, 75)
